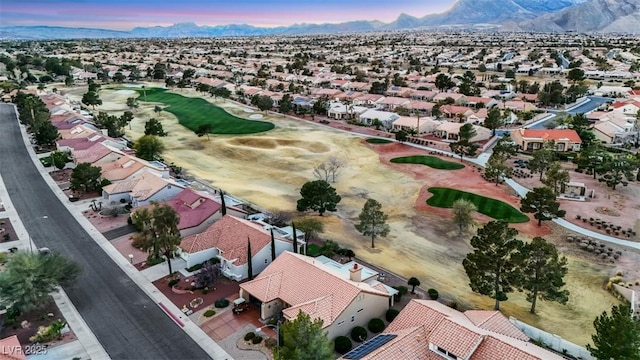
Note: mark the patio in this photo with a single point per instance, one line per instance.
(181, 297)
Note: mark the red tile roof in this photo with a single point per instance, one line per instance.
(230, 235)
(424, 325)
(10, 349)
(193, 207)
(326, 292)
(552, 134)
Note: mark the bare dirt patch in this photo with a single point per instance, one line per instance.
(7, 232)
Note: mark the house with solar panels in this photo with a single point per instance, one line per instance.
(341, 295)
(427, 329)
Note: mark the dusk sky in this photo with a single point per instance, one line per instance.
(127, 14)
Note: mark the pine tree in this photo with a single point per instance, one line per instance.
(304, 339)
(543, 272)
(617, 335)
(542, 203)
(491, 267)
(373, 221)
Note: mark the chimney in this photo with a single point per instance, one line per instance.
(355, 273)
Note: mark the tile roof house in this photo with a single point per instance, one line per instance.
(141, 190)
(427, 329)
(97, 155)
(427, 124)
(342, 295)
(532, 139)
(450, 131)
(627, 107)
(386, 118)
(127, 166)
(198, 210)
(227, 240)
(10, 349)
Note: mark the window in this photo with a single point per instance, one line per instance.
(353, 318)
(266, 260)
(340, 323)
(360, 310)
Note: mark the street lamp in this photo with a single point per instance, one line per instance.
(29, 221)
(277, 328)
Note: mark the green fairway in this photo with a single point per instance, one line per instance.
(444, 198)
(193, 112)
(430, 161)
(378, 141)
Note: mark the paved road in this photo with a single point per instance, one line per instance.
(126, 322)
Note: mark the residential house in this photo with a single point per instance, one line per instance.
(533, 139)
(517, 106)
(423, 95)
(427, 329)
(127, 167)
(96, 155)
(368, 100)
(460, 99)
(614, 128)
(385, 118)
(456, 112)
(227, 239)
(422, 125)
(340, 111)
(478, 117)
(198, 210)
(342, 295)
(476, 101)
(449, 131)
(628, 107)
(420, 107)
(390, 103)
(141, 190)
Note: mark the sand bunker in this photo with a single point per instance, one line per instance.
(125, 92)
(255, 117)
(274, 143)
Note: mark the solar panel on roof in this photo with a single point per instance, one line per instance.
(369, 346)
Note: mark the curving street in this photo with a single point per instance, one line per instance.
(128, 324)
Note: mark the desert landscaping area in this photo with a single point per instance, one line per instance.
(268, 169)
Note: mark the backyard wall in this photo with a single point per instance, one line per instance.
(630, 296)
(552, 341)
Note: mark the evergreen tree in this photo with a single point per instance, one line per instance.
(497, 169)
(542, 158)
(223, 204)
(373, 221)
(462, 213)
(542, 203)
(542, 273)
(319, 196)
(556, 178)
(464, 146)
(493, 120)
(249, 260)
(617, 335)
(295, 238)
(304, 339)
(491, 267)
(273, 246)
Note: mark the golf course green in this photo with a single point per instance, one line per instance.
(378, 141)
(431, 161)
(194, 112)
(444, 198)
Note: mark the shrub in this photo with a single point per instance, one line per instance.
(205, 291)
(375, 325)
(221, 303)
(209, 313)
(342, 345)
(402, 290)
(256, 339)
(48, 333)
(195, 267)
(173, 282)
(391, 314)
(359, 334)
(270, 343)
(154, 261)
(453, 304)
(7, 237)
(433, 294)
(250, 335)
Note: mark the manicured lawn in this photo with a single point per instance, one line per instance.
(313, 250)
(193, 112)
(378, 141)
(430, 161)
(444, 198)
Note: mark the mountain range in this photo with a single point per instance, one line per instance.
(621, 16)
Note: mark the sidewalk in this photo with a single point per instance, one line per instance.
(200, 337)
